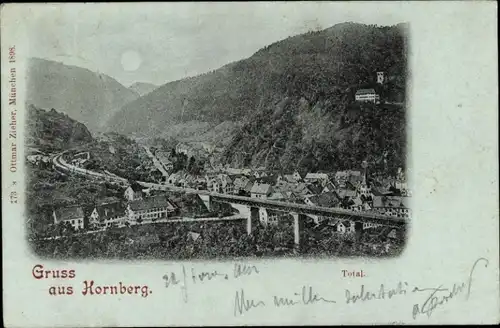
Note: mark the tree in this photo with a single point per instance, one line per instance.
(191, 164)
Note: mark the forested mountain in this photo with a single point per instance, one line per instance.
(142, 88)
(294, 101)
(86, 96)
(50, 130)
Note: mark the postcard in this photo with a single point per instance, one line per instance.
(256, 163)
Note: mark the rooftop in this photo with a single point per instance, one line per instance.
(316, 176)
(110, 210)
(365, 91)
(240, 182)
(136, 187)
(314, 189)
(342, 192)
(260, 188)
(327, 199)
(68, 213)
(159, 201)
(390, 201)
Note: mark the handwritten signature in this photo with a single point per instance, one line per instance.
(436, 298)
(307, 296)
(382, 293)
(182, 280)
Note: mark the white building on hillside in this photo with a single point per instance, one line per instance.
(150, 209)
(367, 95)
(71, 214)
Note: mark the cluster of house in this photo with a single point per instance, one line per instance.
(197, 149)
(135, 208)
(343, 189)
(164, 158)
(350, 227)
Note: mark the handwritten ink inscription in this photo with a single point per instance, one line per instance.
(382, 293)
(175, 279)
(306, 296)
(440, 295)
(243, 302)
(244, 270)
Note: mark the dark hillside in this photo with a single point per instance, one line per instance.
(294, 99)
(51, 130)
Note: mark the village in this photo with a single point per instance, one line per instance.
(146, 172)
(192, 165)
(349, 189)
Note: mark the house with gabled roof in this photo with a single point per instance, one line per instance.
(72, 214)
(276, 195)
(317, 177)
(239, 184)
(133, 192)
(291, 178)
(341, 178)
(329, 199)
(330, 186)
(395, 206)
(356, 178)
(301, 190)
(150, 209)
(176, 178)
(370, 225)
(357, 205)
(226, 183)
(345, 226)
(248, 187)
(268, 179)
(344, 192)
(267, 216)
(314, 188)
(108, 214)
(261, 190)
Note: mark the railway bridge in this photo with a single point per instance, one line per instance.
(299, 212)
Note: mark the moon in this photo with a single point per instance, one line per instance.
(131, 60)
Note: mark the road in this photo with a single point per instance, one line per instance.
(156, 162)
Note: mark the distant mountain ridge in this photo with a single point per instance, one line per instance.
(89, 97)
(293, 102)
(142, 88)
(328, 61)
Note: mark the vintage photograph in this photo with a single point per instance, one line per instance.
(190, 136)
